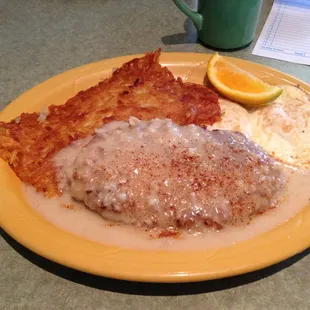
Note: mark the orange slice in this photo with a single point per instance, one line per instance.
(239, 85)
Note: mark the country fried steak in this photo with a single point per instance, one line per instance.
(140, 88)
(158, 174)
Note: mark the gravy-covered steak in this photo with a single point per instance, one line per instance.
(159, 174)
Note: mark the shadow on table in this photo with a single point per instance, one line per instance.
(188, 36)
(154, 289)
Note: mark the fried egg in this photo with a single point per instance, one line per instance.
(281, 128)
(234, 117)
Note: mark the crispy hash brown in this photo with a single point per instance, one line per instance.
(140, 88)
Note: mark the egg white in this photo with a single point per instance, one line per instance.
(234, 117)
(282, 128)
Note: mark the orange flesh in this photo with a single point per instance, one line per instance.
(237, 79)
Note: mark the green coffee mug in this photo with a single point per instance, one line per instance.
(224, 24)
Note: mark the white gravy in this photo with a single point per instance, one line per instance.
(87, 224)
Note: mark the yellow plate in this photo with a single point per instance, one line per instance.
(42, 237)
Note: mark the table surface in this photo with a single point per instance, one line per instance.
(40, 39)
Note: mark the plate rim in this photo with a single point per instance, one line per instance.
(8, 222)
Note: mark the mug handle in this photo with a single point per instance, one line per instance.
(194, 16)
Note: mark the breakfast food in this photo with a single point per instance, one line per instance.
(239, 85)
(282, 128)
(159, 174)
(234, 117)
(146, 149)
(141, 88)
